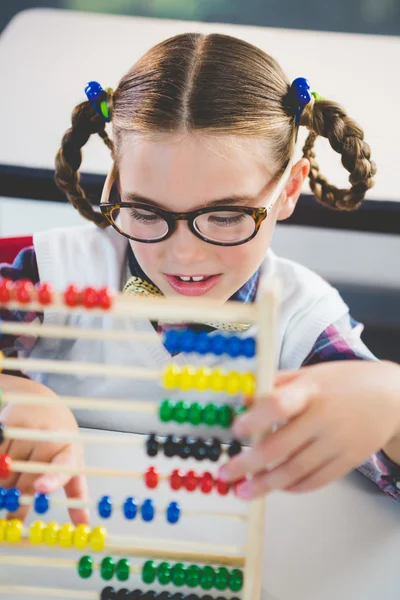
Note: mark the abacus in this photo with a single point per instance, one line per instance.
(148, 568)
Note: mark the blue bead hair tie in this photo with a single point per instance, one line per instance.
(301, 91)
(98, 98)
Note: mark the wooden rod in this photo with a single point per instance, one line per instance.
(44, 592)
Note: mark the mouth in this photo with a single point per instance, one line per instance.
(192, 285)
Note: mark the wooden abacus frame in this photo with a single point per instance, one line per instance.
(263, 313)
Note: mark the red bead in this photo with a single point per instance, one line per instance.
(151, 477)
(71, 296)
(5, 466)
(44, 293)
(191, 481)
(105, 298)
(222, 487)
(206, 483)
(237, 483)
(23, 291)
(89, 297)
(176, 479)
(6, 288)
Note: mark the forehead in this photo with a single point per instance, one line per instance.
(192, 168)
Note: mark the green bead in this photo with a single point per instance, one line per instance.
(221, 578)
(241, 409)
(166, 411)
(193, 576)
(207, 578)
(85, 567)
(195, 412)
(225, 416)
(209, 414)
(123, 569)
(236, 580)
(149, 571)
(178, 574)
(180, 412)
(164, 573)
(107, 568)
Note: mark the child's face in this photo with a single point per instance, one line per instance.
(188, 172)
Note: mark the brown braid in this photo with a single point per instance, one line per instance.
(85, 122)
(329, 120)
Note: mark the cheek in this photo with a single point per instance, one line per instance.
(147, 255)
(247, 257)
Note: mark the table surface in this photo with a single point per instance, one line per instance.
(340, 542)
(47, 56)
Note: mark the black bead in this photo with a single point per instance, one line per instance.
(199, 449)
(123, 594)
(192, 597)
(1, 433)
(214, 449)
(171, 446)
(164, 596)
(136, 595)
(150, 595)
(185, 448)
(152, 445)
(235, 447)
(178, 596)
(108, 593)
(207, 597)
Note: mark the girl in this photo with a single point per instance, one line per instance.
(204, 129)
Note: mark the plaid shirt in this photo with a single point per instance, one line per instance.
(340, 341)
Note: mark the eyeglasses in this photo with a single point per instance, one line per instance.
(218, 225)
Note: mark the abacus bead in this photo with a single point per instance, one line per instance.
(164, 573)
(108, 593)
(11, 501)
(184, 448)
(163, 596)
(201, 380)
(206, 483)
(178, 574)
(187, 341)
(85, 567)
(151, 478)
(233, 382)
(222, 487)
(14, 531)
(136, 595)
(176, 479)
(172, 341)
(180, 412)
(44, 294)
(36, 531)
(51, 533)
(247, 384)
(192, 576)
(199, 450)
(107, 568)
(123, 569)
(123, 594)
(6, 288)
(41, 503)
(89, 297)
(147, 510)
(193, 597)
(234, 346)
(214, 449)
(71, 296)
(3, 492)
(209, 416)
(166, 411)
(202, 343)
(207, 578)
(173, 512)
(178, 596)
(218, 344)
(3, 529)
(66, 535)
(150, 595)
(221, 578)
(236, 580)
(248, 347)
(234, 448)
(191, 481)
(195, 412)
(225, 416)
(97, 539)
(130, 508)
(81, 536)
(152, 445)
(23, 291)
(217, 380)
(149, 571)
(170, 446)
(104, 298)
(105, 507)
(1, 428)
(5, 463)
(187, 378)
(170, 377)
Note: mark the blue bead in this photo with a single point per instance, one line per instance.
(41, 503)
(11, 500)
(218, 344)
(130, 508)
(202, 343)
(147, 510)
(249, 347)
(3, 493)
(173, 512)
(234, 346)
(187, 341)
(172, 341)
(105, 507)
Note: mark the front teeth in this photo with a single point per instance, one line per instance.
(182, 278)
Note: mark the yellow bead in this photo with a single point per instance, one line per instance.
(248, 384)
(202, 379)
(217, 380)
(51, 533)
(3, 529)
(232, 382)
(170, 377)
(66, 534)
(36, 532)
(97, 539)
(14, 531)
(187, 378)
(81, 536)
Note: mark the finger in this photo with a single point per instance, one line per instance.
(25, 484)
(77, 488)
(284, 377)
(17, 450)
(51, 482)
(321, 477)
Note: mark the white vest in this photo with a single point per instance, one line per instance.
(89, 256)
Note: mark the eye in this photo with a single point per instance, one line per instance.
(144, 216)
(226, 219)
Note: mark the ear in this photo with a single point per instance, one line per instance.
(293, 188)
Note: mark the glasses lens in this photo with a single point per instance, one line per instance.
(226, 227)
(140, 223)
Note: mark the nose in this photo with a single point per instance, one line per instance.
(185, 248)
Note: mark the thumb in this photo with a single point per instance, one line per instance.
(51, 482)
(77, 489)
(284, 377)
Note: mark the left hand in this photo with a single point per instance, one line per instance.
(335, 416)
